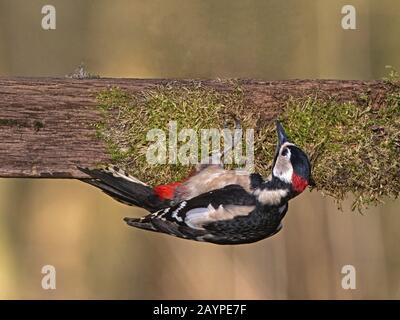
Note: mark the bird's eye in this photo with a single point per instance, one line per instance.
(284, 152)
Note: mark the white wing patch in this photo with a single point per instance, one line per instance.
(161, 213)
(176, 211)
(197, 217)
(271, 197)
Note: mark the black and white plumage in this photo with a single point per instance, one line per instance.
(229, 215)
(216, 205)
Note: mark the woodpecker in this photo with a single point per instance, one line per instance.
(215, 205)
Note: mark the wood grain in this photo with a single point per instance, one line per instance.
(46, 124)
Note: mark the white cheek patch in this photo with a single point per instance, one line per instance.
(283, 169)
(284, 175)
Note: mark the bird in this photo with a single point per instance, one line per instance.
(214, 205)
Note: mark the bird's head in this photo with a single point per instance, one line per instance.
(291, 164)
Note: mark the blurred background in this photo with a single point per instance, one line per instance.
(80, 231)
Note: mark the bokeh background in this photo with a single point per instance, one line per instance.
(80, 231)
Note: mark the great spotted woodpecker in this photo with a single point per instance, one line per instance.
(215, 205)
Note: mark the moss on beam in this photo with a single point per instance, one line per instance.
(354, 147)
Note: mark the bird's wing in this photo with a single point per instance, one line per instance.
(212, 178)
(189, 219)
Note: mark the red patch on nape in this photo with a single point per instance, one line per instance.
(166, 191)
(299, 183)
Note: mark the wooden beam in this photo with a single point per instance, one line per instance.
(46, 124)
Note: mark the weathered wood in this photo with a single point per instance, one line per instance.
(46, 124)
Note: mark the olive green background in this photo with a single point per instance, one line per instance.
(80, 231)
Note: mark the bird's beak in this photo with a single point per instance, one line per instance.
(282, 137)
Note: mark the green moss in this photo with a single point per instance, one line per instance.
(81, 72)
(37, 125)
(393, 77)
(133, 116)
(353, 148)
(13, 123)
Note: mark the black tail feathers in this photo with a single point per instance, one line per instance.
(141, 223)
(124, 188)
